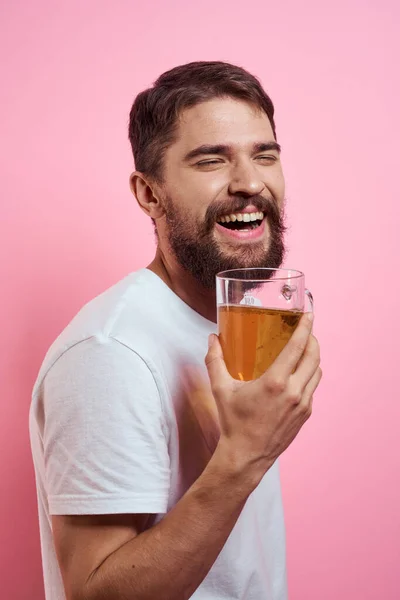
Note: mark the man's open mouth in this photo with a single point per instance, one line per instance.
(241, 221)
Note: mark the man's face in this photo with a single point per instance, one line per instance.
(223, 191)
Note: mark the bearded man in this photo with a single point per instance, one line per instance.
(135, 502)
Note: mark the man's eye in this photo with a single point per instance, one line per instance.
(269, 158)
(204, 163)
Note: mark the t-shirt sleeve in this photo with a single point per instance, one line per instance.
(105, 437)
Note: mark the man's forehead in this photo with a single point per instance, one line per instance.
(223, 120)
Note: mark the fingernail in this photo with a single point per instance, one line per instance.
(210, 340)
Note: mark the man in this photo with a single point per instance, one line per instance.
(135, 502)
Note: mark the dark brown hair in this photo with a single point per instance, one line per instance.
(154, 114)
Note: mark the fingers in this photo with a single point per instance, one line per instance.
(198, 391)
(202, 402)
(217, 371)
(307, 398)
(308, 363)
(288, 359)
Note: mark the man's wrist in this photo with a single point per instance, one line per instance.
(231, 470)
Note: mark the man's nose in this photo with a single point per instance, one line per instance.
(246, 180)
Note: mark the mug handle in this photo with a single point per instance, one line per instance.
(310, 299)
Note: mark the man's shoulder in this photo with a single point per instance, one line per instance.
(122, 311)
(125, 299)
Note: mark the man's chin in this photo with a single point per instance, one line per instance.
(246, 257)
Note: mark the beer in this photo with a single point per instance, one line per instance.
(252, 337)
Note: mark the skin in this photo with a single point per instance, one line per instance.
(210, 178)
(114, 556)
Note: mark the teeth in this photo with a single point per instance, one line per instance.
(246, 217)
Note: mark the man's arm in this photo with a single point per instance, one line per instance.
(103, 559)
(107, 557)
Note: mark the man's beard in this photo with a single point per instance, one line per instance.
(198, 252)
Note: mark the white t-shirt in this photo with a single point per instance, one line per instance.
(112, 432)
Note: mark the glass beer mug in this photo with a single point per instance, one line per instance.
(258, 310)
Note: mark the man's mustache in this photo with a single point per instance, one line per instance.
(237, 204)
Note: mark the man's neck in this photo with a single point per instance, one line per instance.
(184, 285)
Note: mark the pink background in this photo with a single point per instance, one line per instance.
(70, 228)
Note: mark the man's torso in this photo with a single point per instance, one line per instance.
(139, 331)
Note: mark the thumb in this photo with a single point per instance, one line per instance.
(216, 367)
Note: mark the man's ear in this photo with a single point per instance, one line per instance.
(147, 195)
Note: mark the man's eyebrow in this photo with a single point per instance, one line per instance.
(223, 150)
(207, 149)
(267, 147)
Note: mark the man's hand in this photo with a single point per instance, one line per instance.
(259, 419)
